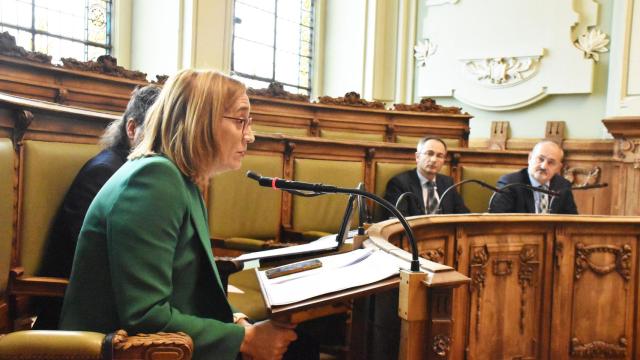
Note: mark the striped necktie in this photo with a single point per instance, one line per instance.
(432, 202)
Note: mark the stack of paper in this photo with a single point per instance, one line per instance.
(338, 272)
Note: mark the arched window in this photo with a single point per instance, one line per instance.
(80, 29)
(273, 41)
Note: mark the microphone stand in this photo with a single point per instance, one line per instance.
(317, 189)
(479, 182)
(405, 195)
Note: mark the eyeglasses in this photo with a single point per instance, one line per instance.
(242, 123)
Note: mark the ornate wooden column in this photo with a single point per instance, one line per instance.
(626, 131)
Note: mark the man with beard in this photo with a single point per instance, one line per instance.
(545, 163)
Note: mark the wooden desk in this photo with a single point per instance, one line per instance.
(542, 286)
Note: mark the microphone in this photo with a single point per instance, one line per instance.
(479, 182)
(526, 186)
(405, 195)
(592, 186)
(362, 211)
(277, 183)
(288, 185)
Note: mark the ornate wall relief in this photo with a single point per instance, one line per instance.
(508, 61)
(592, 43)
(423, 50)
(439, 2)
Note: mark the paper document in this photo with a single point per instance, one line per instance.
(338, 272)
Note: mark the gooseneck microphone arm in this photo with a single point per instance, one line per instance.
(362, 211)
(479, 182)
(405, 195)
(526, 186)
(277, 183)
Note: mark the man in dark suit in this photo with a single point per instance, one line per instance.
(117, 141)
(425, 184)
(545, 163)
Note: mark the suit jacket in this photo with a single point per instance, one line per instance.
(144, 263)
(409, 181)
(61, 243)
(520, 199)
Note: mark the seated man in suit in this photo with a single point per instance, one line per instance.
(118, 139)
(426, 185)
(545, 163)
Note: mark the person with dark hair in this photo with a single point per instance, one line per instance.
(425, 184)
(545, 163)
(118, 139)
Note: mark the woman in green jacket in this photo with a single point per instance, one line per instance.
(143, 261)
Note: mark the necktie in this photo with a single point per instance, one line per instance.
(543, 202)
(432, 202)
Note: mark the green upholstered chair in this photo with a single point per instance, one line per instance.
(413, 141)
(323, 214)
(85, 345)
(6, 210)
(384, 173)
(268, 129)
(350, 135)
(242, 213)
(48, 169)
(476, 198)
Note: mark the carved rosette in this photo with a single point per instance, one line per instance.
(622, 263)
(528, 264)
(502, 71)
(628, 151)
(22, 120)
(441, 345)
(599, 349)
(479, 262)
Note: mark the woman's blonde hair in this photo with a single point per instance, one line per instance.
(182, 123)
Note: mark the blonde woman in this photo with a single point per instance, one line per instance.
(143, 261)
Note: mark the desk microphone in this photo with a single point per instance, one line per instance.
(526, 186)
(405, 195)
(479, 182)
(294, 186)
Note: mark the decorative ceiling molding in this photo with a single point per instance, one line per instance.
(502, 71)
(439, 2)
(423, 50)
(591, 43)
(511, 105)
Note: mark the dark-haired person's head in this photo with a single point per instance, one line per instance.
(431, 153)
(124, 133)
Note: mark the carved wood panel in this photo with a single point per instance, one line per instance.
(505, 296)
(596, 284)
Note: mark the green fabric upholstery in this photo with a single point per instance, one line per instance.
(250, 302)
(238, 207)
(475, 197)
(347, 135)
(6, 209)
(48, 170)
(268, 129)
(413, 140)
(323, 213)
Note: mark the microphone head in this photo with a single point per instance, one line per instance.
(253, 175)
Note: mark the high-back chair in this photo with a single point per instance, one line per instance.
(8, 198)
(477, 200)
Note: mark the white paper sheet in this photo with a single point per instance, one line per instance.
(338, 272)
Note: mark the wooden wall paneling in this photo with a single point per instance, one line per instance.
(626, 150)
(595, 282)
(507, 268)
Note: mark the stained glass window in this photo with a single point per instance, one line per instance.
(80, 29)
(273, 41)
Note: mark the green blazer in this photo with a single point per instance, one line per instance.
(144, 263)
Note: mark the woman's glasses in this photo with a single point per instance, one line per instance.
(241, 123)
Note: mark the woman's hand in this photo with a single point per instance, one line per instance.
(266, 340)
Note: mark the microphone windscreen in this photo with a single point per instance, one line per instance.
(253, 175)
